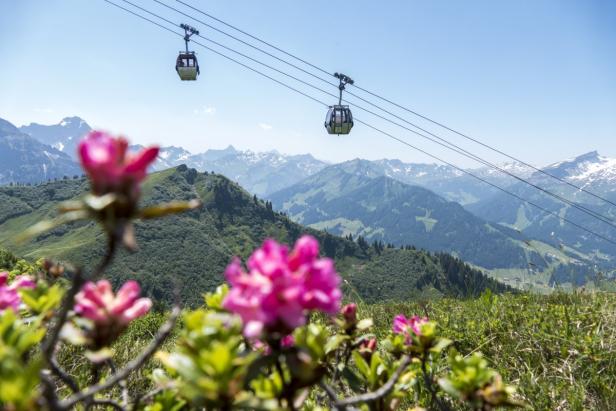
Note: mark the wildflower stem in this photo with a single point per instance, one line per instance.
(135, 364)
(430, 385)
(63, 375)
(382, 392)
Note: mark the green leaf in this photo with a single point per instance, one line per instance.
(255, 367)
(361, 364)
(352, 378)
(441, 344)
(98, 203)
(173, 207)
(364, 324)
(99, 356)
(333, 343)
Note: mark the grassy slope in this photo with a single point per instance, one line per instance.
(559, 350)
(189, 251)
(379, 208)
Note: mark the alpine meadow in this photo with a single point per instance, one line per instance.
(369, 206)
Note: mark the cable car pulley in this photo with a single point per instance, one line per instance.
(339, 119)
(186, 64)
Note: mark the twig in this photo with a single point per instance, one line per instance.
(133, 365)
(109, 403)
(286, 388)
(48, 346)
(107, 258)
(429, 385)
(49, 391)
(371, 396)
(63, 375)
(50, 342)
(123, 385)
(145, 397)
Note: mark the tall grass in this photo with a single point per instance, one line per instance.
(560, 350)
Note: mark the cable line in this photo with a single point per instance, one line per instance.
(487, 182)
(379, 130)
(477, 141)
(214, 51)
(494, 149)
(603, 218)
(256, 38)
(234, 51)
(244, 42)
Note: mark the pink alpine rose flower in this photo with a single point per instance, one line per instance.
(110, 313)
(288, 341)
(111, 168)
(367, 348)
(406, 326)
(279, 288)
(9, 295)
(349, 313)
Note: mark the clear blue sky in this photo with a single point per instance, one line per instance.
(534, 78)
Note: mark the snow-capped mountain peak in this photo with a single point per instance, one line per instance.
(585, 169)
(63, 136)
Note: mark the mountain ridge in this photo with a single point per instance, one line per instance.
(231, 222)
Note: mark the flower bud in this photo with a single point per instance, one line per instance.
(349, 312)
(367, 347)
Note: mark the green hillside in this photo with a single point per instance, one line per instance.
(356, 200)
(191, 250)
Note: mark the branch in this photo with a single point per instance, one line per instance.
(430, 386)
(49, 391)
(122, 384)
(145, 397)
(111, 249)
(133, 365)
(110, 403)
(48, 346)
(63, 375)
(50, 342)
(371, 396)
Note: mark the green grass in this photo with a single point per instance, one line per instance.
(560, 350)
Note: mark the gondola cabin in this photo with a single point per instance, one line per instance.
(339, 120)
(187, 66)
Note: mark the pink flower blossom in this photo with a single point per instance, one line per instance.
(349, 313)
(280, 288)
(285, 342)
(288, 341)
(97, 302)
(9, 295)
(367, 347)
(405, 326)
(109, 165)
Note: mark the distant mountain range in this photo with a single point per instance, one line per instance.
(590, 171)
(351, 198)
(230, 223)
(259, 173)
(382, 200)
(25, 160)
(63, 136)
